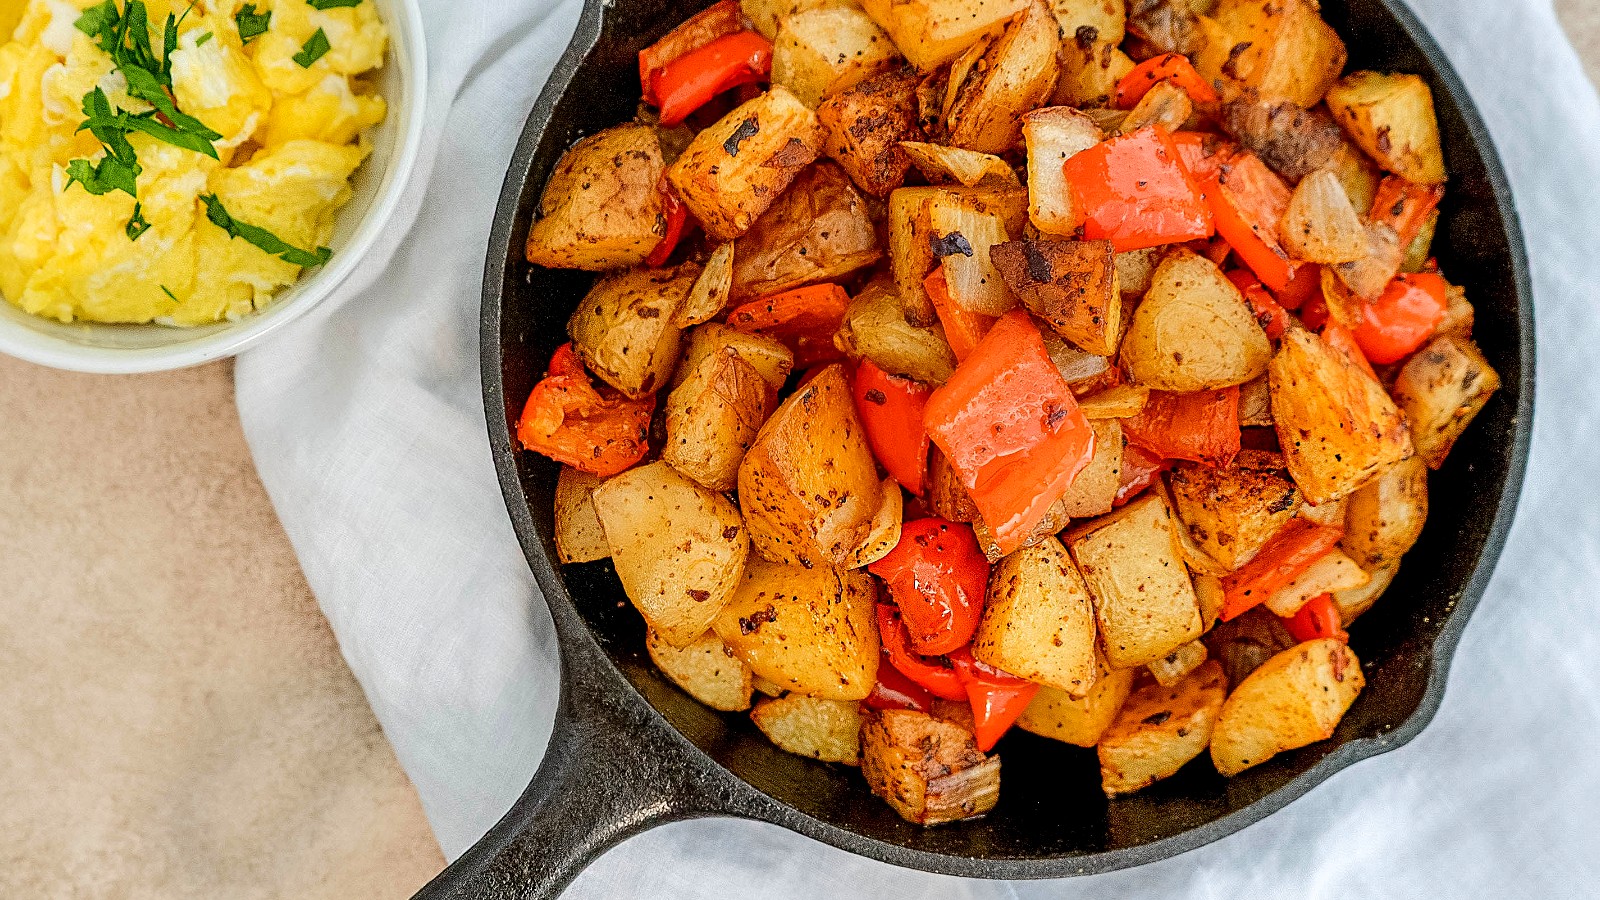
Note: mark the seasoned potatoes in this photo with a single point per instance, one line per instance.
(1392, 118)
(1296, 698)
(863, 128)
(1283, 50)
(1441, 388)
(624, 327)
(1232, 513)
(1072, 285)
(875, 328)
(1159, 729)
(706, 669)
(1081, 721)
(579, 537)
(1194, 331)
(820, 52)
(601, 208)
(829, 730)
(929, 770)
(1383, 519)
(713, 416)
(933, 32)
(1038, 623)
(818, 230)
(1017, 73)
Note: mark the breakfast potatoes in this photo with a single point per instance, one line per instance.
(928, 769)
(1295, 698)
(875, 328)
(1159, 729)
(579, 535)
(1079, 720)
(624, 329)
(601, 208)
(706, 670)
(1193, 331)
(1038, 621)
(1392, 118)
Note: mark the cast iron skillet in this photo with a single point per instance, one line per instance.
(630, 751)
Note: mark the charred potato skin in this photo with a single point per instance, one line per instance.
(1441, 389)
(1072, 285)
(601, 208)
(929, 770)
(1295, 698)
(1038, 621)
(1159, 729)
(624, 327)
(1232, 513)
(864, 125)
(1292, 54)
(817, 230)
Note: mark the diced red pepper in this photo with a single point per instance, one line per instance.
(891, 408)
(1318, 618)
(567, 419)
(1139, 471)
(933, 674)
(895, 691)
(1339, 338)
(690, 81)
(1134, 191)
(1314, 312)
(1202, 427)
(1304, 285)
(1403, 318)
(963, 329)
(677, 215)
(1291, 551)
(1202, 154)
(1174, 67)
(937, 575)
(997, 697)
(1249, 201)
(1404, 206)
(1273, 318)
(1011, 429)
(804, 319)
(702, 28)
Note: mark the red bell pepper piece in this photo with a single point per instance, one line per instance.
(935, 674)
(1249, 201)
(1139, 471)
(1319, 618)
(895, 691)
(677, 215)
(1274, 319)
(997, 697)
(804, 319)
(1010, 427)
(891, 408)
(1339, 338)
(1404, 206)
(1133, 190)
(938, 576)
(1403, 318)
(1202, 427)
(963, 329)
(690, 81)
(1174, 67)
(1291, 551)
(1304, 285)
(698, 30)
(567, 419)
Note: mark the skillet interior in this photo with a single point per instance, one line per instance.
(1051, 808)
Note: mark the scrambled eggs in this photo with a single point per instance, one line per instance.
(290, 142)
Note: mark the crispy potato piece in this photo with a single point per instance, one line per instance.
(1038, 621)
(875, 328)
(1160, 729)
(1332, 573)
(818, 230)
(678, 548)
(766, 14)
(1094, 491)
(713, 417)
(808, 484)
(820, 52)
(811, 631)
(1321, 225)
(829, 730)
(1441, 388)
(1123, 401)
(769, 357)
(929, 770)
(1054, 135)
(1232, 513)
(1337, 426)
(732, 171)
(1383, 519)
(968, 168)
(1079, 721)
(963, 224)
(1392, 118)
(579, 537)
(1165, 104)
(911, 251)
(1296, 698)
(864, 126)
(1143, 598)
(624, 327)
(601, 208)
(1016, 74)
(1194, 331)
(1072, 285)
(1090, 70)
(1356, 601)
(711, 289)
(1255, 403)
(933, 32)
(706, 670)
(1175, 666)
(1289, 53)
(884, 531)
(1107, 19)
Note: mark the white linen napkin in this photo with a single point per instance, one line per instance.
(366, 426)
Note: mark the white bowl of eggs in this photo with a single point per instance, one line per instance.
(274, 136)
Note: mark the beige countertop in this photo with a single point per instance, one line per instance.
(178, 721)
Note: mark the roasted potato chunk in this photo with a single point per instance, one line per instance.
(1016, 74)
(1441, 388)
(863, 128)
(929, 770)
(1288, 53)
(732, 171)
(1094, 491)
(818, 230)
(1082, 720)
(933, 32)
(706, 670)
(1090, 70)
(1054, 135)
(810, 631)
(1038, 621)
(579, 537)
(624, 327)
(875, 328)
(1392, 118)
(601, 208)
(1123, 401)
(1175, 666)
(1159, 729)
(713, 417)
(1337, 426)
(829, 730)
(1383, 519)
(1296, 698)
(711, 289)
(1332, 573)
(766, 14)
(1231, 513)
(809, 485)
(678, 548)
(1194, 331)
(1072, 285)
(773, 360)
(820, 52)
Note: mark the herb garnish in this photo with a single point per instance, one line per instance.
(332, 4)
(137, 225)
(201, 42)
(169, 293)
(315, 48)
(262, 238)
(252, 25)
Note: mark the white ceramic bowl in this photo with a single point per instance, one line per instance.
(123, 349)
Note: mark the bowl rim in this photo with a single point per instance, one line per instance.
(31, 345)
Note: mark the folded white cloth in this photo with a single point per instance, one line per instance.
(367, 429)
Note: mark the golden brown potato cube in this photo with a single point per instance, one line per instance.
(1441, 388)
(1332, 573)
(1165, 104)
(864, 126)
(968, 168)
(1160, 729)
(929, 770)
(1337, 426)
(829, 730)
(1054, 135)
(1356, 601)
(601, 208)
(769, 357)
(706, 670)
(1392, 118)
(1016, 74)
(713, 417)
(1090, 70)
(624, 327)
(810, 631)
(911, 251)
(1072, 285)
(1289, 53)
(1143, 598)
(732, 171)
(933, 32)
(678, 548)
(1094, 491)
(1081, 720)
(820, 52)
(875, 328)
(1231, 513)
(818, 230)
(1193, 331)
(579, 537)
(809, 485)
(1296, 698)
(1106, 19)
(1175, 666)
(1038, 621)
(1122, 401)
(1383, 519)
(766, 14)
(963, 224)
